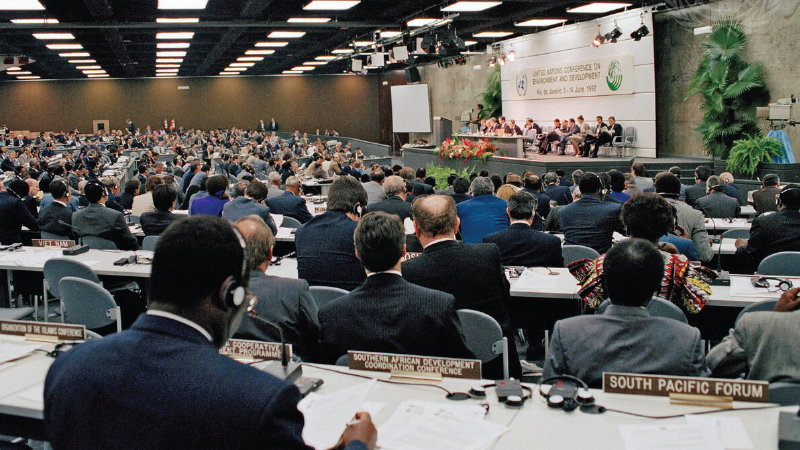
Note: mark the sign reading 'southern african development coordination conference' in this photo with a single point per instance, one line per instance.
(587, 78)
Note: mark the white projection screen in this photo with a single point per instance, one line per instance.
(411, 109)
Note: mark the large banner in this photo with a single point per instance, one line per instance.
(587, 78)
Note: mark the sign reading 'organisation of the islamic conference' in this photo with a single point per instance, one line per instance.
(587, 78)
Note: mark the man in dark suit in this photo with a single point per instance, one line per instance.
(97, 220)
(764, 199)
(483, 214)
(590, 221)
(626, 338)
(605, 137)
(289, 202)
(460, 190)
(773, 233)
(8, 164)
(131, 126)
(112, 187)
(717, 204)
(132, 187)
(325, 250)
(698, 190)
(420, 187)
(250, 203)
(395, 190)
(561, 194)
(520, 244)
(59, 210)
(165, 374)
(387, 313)
(286, 302)
(731, 189)
(273, 125)
(533, 186)
(155, 222)
(14, 214)
(472, 273)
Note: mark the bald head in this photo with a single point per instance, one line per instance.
(435, 215)
(259, 240)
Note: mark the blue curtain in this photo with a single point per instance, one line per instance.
(788, 154)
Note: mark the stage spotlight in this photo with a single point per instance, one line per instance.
(640, 33)
(502, 59)
(511, 55)
(428, 44)
(612, 35)
(598, 40)
(492, 61)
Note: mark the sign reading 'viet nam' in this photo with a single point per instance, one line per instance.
(599, 76)
(389, 362)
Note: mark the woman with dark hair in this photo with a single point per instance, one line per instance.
(216, 199)
(649, 216)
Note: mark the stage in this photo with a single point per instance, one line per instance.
(538, 164)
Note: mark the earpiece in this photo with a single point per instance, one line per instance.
(357, 210)
(779, 197)
(235, 291)
(565, 394)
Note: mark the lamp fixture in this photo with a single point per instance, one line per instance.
(612, 35)
(599, 39)
(640, 32)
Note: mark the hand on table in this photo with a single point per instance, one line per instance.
(363, 430)
(740, 243)
(788, 301)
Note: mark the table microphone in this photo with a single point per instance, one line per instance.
(75, 249)
(289, 370)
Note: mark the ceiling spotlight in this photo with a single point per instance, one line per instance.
(428, 44)
(492, 61)
(640, 32)
(599, 39)
(612, 35)
(511, 55)
(502, 59)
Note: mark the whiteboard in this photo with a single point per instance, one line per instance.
(411, 109)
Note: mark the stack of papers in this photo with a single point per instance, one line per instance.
(11, 351)
(534, 279)
(418, 425)
(742, 286)
(29, 258)
(699, 433)
(326, 416)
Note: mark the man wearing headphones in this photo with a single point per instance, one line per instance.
(717, 204)
(13, 213)
(772, 233)
(590, 221)
(326, 253)
(162, 384)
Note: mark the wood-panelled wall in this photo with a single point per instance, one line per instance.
(350, 104)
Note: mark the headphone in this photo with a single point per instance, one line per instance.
(779, 197)
(602, 190)
(763, 282)
(357, 210)
(235, 291)
(567, 396)
(716, 187)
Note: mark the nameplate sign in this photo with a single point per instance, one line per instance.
(52, 243)
(51, 332)
(410, 255)
(663, 386)
(237, 348)
(390, 362)
(320, 209)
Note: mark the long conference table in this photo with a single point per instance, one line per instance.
(534, 425)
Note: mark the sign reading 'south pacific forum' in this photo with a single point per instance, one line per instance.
(587, 78)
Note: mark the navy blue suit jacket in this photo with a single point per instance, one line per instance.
(290, 205)
(388, 314)
(484, 214)
(14, 214)
(521, 245)
(392, 205)
(326, 253)
(560, 194)
(460, 197)
(163, 385)
(591, 223)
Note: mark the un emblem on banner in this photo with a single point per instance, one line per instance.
(614, 77)
(522, 85)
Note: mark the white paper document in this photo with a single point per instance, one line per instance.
(729, 430)
(418, 425)
(326, 416)
(278, 218)
(284, 233)
(668, 437)
(741, 286)
(11, 351)
(535, 279)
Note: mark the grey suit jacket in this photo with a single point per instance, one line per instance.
(374, 192)
(765, 342)
(623, 339)
(97, 220)
(718, 205)
(694, 223)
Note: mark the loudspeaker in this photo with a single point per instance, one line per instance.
(357, 64)
(400, 53)
(412, 75)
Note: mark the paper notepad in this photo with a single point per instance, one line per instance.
(533, 279)
(326, 416)
(741, 286)
(668, 437)
(12, 351)
(729, 431)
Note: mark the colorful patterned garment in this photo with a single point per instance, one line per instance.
(684, 285)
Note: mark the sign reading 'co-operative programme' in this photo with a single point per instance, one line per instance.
(599, 76)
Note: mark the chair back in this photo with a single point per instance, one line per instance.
(57, 268)
(784, 393)
(573, 253)
(531, 133)
(342, 361)
(87, 303)
(657, 307)
(46, 235)
(326, 294)
(783, 263)
(149, 243)
(736, 234)
(134, 219)
(766, 305)
(290, 222)
(98, 243)
(484, 336)
(548, 129)
(134, 155)
(630, 135)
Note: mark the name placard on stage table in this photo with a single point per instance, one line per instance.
(663, 386)
(43, 331)
(237, 348)
(52, 243)
(390, 362)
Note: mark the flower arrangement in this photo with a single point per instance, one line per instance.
(455, 148)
